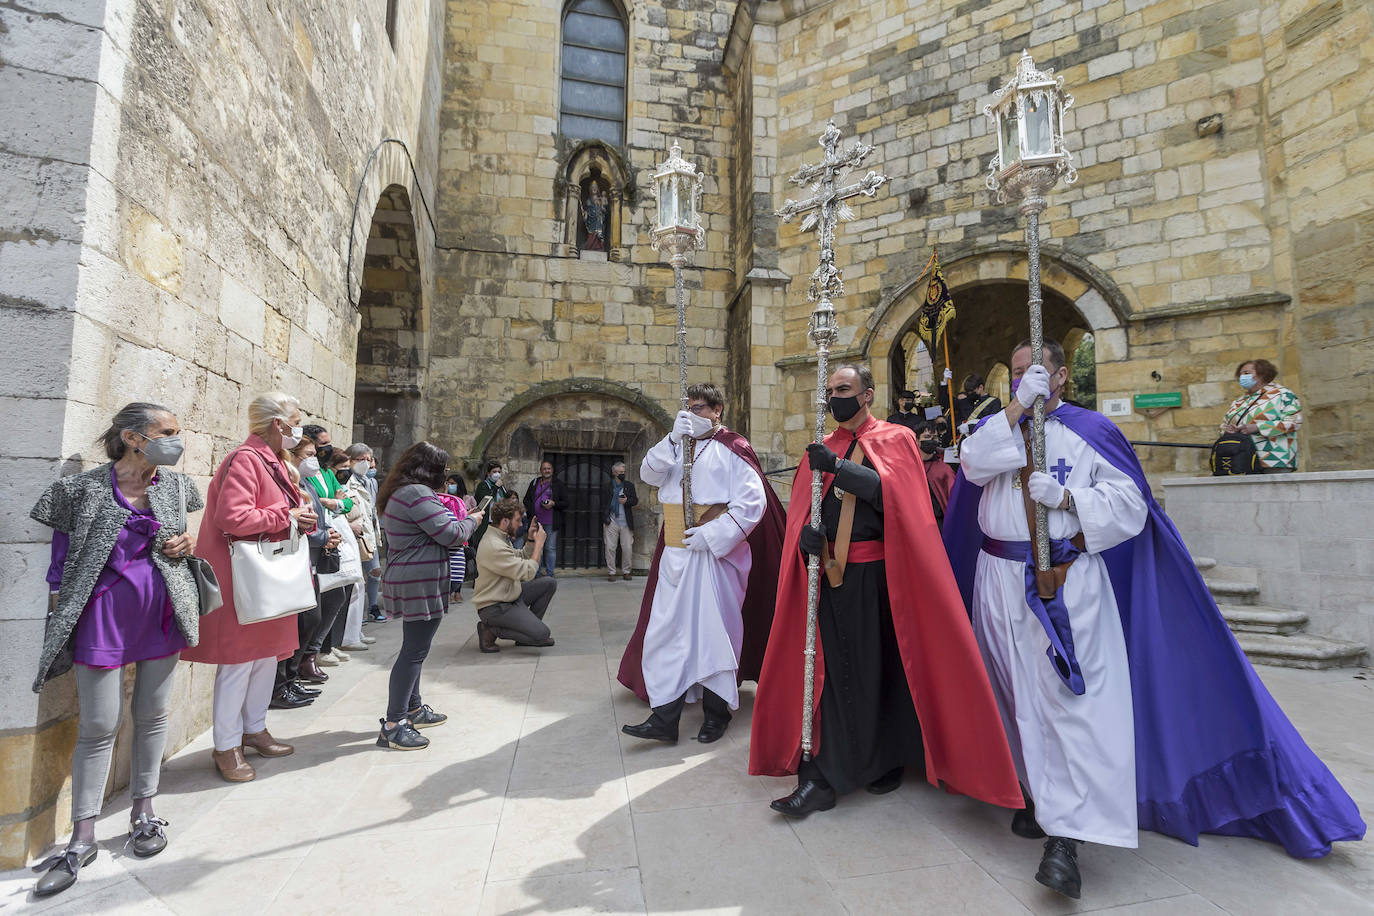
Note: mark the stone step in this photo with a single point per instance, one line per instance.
(1300, 651)
(1231, 592)
(1204, 563)
(1255, 618)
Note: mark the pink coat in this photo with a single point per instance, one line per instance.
(250, 496)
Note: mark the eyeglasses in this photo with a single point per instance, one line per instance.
(698, 408)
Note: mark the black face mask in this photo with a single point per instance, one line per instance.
(843, 409)
(620, 477)
(342, 476)
(929, 446)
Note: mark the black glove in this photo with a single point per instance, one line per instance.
(821, 458)
(812, 540)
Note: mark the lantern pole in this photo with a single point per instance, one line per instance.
(1026, 174)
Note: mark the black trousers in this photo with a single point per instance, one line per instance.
(306, 623)
(403, 694)
(332, 603)
(868, 721)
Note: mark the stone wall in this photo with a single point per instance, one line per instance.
(1183, 235)
(1303, 538)
(179, 182)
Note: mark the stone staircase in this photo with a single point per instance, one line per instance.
(1270, 635)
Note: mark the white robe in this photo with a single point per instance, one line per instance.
(695, 630)
(1075, 754)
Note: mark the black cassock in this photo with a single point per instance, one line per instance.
(868, 723)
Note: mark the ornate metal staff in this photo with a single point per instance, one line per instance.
(1028, 115)
(824, 209)
(678, 187)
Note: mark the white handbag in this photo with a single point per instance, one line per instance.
(271, 578)
(350, 565)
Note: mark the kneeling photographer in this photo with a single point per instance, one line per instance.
(510, 601)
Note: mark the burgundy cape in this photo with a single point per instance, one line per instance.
(965, 746)
(760, 595)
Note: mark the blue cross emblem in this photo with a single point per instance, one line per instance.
(1061, 471)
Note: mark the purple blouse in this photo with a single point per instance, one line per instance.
(129, 617)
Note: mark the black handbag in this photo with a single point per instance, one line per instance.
(330, 561)
(207, 583)
(1234, 454)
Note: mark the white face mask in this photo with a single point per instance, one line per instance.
(289, 442)
(310, 467)
(701, 426)
(495, 476)
(361, 468)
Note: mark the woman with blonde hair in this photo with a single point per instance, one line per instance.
(252, 496)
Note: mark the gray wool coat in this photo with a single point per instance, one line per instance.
(83, 507)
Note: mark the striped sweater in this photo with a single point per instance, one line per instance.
(420, 531)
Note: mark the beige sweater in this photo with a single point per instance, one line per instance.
(500, 569)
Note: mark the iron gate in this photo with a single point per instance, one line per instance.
(587, 478)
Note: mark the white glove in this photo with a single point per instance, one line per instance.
(1035, 383)
(1045, 490)
(964, 429)
(948, 375)
(693, 539)
(682, 426)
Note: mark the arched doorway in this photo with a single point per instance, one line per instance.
(583, 426)
(388, 411)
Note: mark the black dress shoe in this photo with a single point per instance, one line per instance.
(304, 690)
(653, 728)
(286, 698)
(809, 796)
(1059, 867)
(888, 782)
(1024, 824)
(63, 868)
(712, 730)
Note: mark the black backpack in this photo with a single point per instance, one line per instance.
(1232, 454)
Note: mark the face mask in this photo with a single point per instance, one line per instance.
(164, 451)
(289, 442)
(309, 467)
(361, 468)
(453, 488)
(343, 476)
(371, 473)
(1247, 381)
(701, 426)
(928, 446)
(620, 477)
(843, 409)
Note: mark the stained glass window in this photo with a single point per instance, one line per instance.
(593, 75)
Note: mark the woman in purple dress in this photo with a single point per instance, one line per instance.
(122, 594)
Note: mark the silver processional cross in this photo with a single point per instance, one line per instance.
(824, 209)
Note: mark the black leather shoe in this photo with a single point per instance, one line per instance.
(286, 698)
(888, 782)
(661, 724)
(712, 730)
(63, 868)
(716, 713)
(1024, 824)
(304, 690)
(1059, 867)
(146, 836)
(807, 797)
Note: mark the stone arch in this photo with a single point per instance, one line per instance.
(589, 164)
(388, 409)
(1078, 293)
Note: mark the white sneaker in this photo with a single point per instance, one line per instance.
(340, 654)
(369, 639)
(326, 660)
(356, 647)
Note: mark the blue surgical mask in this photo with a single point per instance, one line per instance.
(1247, 380)
(453, 488)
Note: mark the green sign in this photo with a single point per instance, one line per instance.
(1158, 399)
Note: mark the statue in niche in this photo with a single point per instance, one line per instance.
(595, 207)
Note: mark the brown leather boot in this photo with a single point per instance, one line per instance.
(266, 745)
(310, 669)
(232, 766)
(486, 639)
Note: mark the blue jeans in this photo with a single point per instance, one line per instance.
(550, 558)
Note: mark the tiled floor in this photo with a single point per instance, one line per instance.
(531, 801)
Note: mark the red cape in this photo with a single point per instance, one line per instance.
(760, 596)
(966, 748)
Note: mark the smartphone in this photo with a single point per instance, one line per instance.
(482, 506)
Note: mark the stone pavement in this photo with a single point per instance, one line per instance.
(530, 801)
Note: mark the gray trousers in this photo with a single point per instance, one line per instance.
(100, 698)
(523, 620)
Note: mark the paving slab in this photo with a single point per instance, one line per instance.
(530, 800)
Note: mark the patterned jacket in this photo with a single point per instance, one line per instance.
(1277, 414)
(83, 507)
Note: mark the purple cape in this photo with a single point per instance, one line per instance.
(1214, 752)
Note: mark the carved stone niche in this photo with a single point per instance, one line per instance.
(592, 191)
